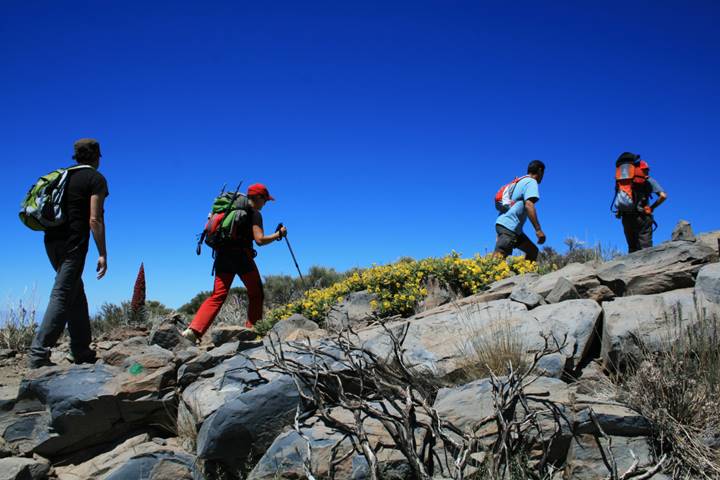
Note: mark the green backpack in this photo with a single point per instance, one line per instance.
(42, 207)
(227, 221)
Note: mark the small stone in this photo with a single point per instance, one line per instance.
(523, 294)
(285, 328)
(683, 231)
(600, 294)
(167, 334)
(230, 333)
(564, 290)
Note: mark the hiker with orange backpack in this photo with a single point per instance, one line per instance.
(230, 231)
(634, 188)
(515, 203)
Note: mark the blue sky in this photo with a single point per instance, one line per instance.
(382, 128)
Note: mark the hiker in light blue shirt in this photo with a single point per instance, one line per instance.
(521, 197)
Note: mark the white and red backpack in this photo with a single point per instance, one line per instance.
(503, 198)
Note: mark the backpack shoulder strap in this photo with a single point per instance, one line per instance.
(79, 166)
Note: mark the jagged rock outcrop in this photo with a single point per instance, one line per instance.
(668, 266)
(104, 421)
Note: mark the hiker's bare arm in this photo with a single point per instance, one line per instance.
(532, 215)
(662, 196)
(261, 239)
(97, 226)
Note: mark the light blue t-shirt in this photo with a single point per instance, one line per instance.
(514, 219)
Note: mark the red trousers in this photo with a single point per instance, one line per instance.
(211, 307)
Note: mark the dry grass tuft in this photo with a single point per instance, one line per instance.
(18, 326)
(497, 348)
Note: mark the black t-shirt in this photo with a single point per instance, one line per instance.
(81, 185)
(245, 238)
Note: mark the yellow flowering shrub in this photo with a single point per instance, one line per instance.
(400, 286)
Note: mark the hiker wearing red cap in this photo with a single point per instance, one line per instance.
(637, 213)
(237, 258)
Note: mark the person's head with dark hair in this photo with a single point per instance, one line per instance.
(536, 169)
(87, 152)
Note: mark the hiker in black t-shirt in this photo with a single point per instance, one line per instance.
(67, 247)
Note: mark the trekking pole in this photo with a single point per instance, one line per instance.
(292, 254)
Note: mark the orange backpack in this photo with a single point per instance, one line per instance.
(629, 176)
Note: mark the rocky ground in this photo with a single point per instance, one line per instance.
(156, 407)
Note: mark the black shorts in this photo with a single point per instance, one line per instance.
(507, 240)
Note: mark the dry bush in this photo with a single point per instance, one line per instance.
(18, 326)
(497, 348)
(677, 387)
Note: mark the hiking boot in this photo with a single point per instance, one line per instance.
(191, 335)
(87, 357)
(40, 362)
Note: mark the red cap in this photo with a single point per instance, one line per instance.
(259, 190)
(643, 165)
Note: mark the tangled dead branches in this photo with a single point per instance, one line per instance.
(514, 441)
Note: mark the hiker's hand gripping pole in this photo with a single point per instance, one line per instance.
(292, 254)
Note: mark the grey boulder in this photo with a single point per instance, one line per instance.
(562, 291)
(287, 456)
(582, 276)
(166, 334)
(14, 468)
(355, 309)
(138, 458)
(683, 231)
(585, 461)
(63, 413)
(522, 294)
(229, 333)
(649, 321)
(707, 290)
(190, 370)
(467, 405)
(289, 328)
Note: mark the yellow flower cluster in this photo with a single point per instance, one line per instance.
(400, 286)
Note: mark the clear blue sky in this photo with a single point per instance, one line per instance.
(383, 128)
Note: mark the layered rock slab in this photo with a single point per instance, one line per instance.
(669, 266)
(68, 411)
(654, 322)
(138, 458)
(445, 341)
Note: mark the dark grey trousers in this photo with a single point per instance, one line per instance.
(638, 231)
(67, 306)
(507, 240)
